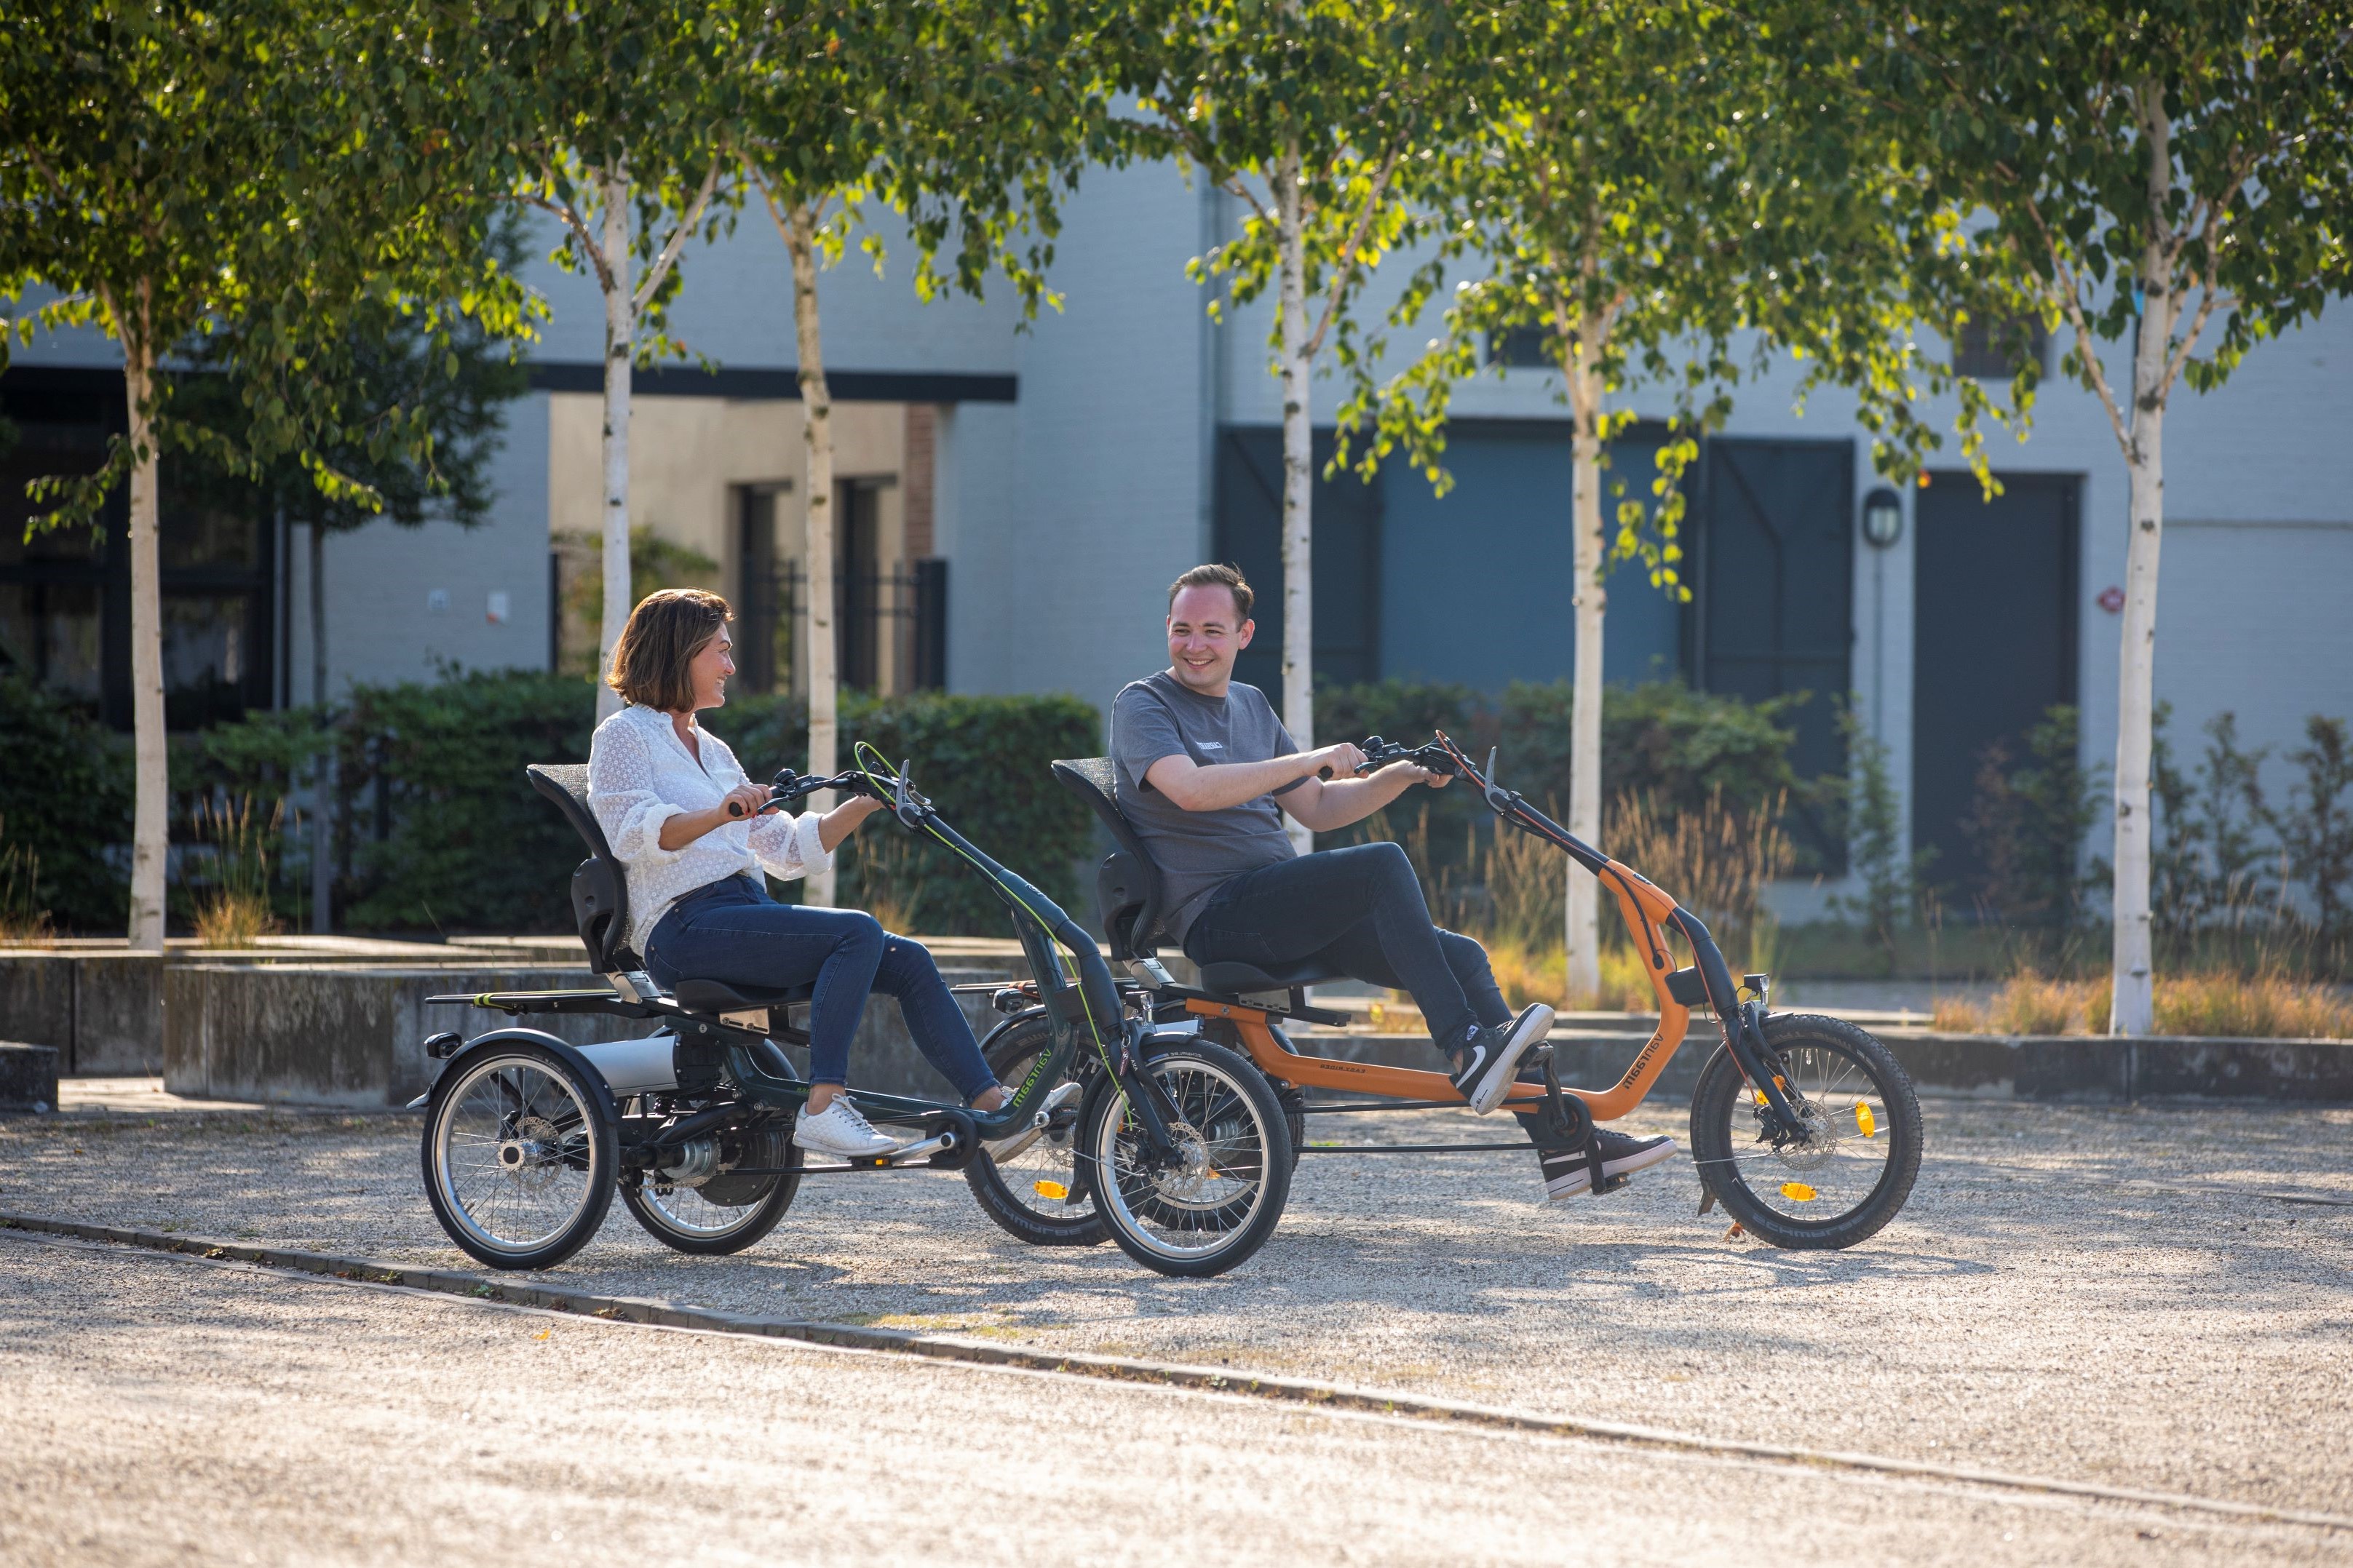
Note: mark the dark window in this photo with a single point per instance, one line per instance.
(1347, 523)
(1993, 351)
(65, 595)
(1994, 642)
(763, 634)
(1776, 597)
(1523, 348)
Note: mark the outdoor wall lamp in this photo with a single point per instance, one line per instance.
(1883, 517)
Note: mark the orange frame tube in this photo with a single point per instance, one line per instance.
(1645, 908)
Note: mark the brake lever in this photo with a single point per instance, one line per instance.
(906, 805)
(1498, 797)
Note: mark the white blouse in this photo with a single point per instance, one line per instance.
(640, 774)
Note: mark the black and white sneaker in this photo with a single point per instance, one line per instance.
(1491, 1058)
(1567, 1172)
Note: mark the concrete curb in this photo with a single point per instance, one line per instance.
(1332, 1396)
(2045, 1069)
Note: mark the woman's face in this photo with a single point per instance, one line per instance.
(708, 668)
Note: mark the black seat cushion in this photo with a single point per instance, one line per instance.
(1233, 978)
(718, 996)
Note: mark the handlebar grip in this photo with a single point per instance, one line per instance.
(1324, 772)
(735, 809)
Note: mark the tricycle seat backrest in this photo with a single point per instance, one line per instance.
(600, 885)
(1127, 884)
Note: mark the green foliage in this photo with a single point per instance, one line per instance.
(468, 842)
(2120, 156)
(2316, 824)
(1684, 751)
(968, 118)
(1669, 200)
(175, 173)
(2029, 821)
(438, 829)
(65, 797)
(1873, 819)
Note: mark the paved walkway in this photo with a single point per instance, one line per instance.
(2116, 1297)
(164, 1412)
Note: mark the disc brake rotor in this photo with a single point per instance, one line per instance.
(534, 1156)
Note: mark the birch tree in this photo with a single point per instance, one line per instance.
(964, 118)
(612, 119)
(2145, 174)
(1644, 188)
(163, 171)
(1301, 111)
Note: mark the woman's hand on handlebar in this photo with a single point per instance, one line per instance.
(746, 799)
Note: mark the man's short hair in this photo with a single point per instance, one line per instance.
(1217, 576)
(665, 632)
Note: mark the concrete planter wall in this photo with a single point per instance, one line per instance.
(28, 1077)
(2051, 1069)
(327, 1034)
(100, 1012)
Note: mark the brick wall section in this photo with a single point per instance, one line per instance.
(915, 478)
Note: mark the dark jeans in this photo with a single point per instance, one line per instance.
(1360, 910)
(733, 931)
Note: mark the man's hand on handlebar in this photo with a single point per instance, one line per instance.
(1339, 762)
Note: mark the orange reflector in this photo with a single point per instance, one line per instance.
(1054, 1190)
(1797, 1192)
(1864, 1120)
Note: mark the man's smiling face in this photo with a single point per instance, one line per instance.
(1204, 636)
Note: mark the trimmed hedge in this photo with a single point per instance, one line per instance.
(65, 793)
(1659, 738)
(438, 829)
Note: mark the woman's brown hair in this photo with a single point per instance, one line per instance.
(665, 632)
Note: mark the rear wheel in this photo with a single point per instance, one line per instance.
(520, 1157)
(1040, 1194)
(1221, 1197)
(1837, 1178)
(698, 1202)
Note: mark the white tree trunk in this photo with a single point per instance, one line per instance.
(322, 813)
(620, 350)
(1298, 479)
(817, 545)
(1589, 599)
(150, 823)
(2133, 1000)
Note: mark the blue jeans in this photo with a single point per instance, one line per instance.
(733, 932)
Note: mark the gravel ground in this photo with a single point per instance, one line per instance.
(2092, 1294)
(160, 1411)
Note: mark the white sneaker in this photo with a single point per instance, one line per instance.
(1018, 1141)
(840, 1130)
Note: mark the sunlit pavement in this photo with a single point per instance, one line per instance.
(2126, 1298)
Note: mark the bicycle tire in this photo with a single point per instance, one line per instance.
(1009, 1051)
(1806, 1046)
(529, 1131)
(1237, 1178)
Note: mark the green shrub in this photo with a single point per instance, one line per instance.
(65, 797)
(438, 828)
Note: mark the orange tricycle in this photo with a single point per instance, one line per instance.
(1804, 1127)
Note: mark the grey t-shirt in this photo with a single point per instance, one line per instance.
(1197, 851)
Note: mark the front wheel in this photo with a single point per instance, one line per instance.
(1837, 1178)
(1040, 1194)
(1220, 1198)
(520, 1157)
